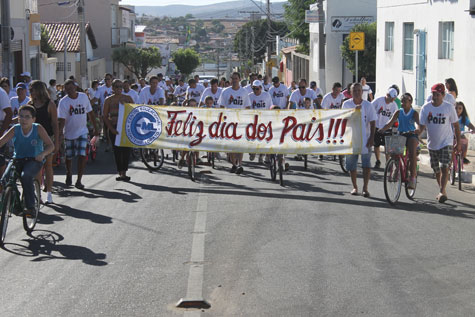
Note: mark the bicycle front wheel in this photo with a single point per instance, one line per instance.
(7, 205)
(191, 165)
(281, 171)
(305, 162)
(342, 160)
(459, 170)
(410, 191)
(152, 158)
(392, 181)
(452, 171)
(29, 223)
(272, 167)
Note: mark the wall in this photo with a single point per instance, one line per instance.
(48, 68)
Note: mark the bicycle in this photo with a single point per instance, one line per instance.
(276, 165)
(456, 167)
(397, 169)
(342, 160)
(191, 162)
(13, 203)
(210, 158)
(152, 158)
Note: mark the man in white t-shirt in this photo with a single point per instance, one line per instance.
(5, 84)
(368, 116)
(297, 98)
(235, 97)
(259, 98)
(293, 86)
(334, 99)
(193, 91)
(6, 112)
(213, 91)
(130, 92)
(385, 107)
(252, 78)
(279, 94)
(52, 91)
(20, 100)
(441, 120)
(142, 84)
(180, 92)
(162, 84)
(447, 98)
(266, 84)
(73, 110)
(152, 95)
(367, 92)
(198, 84)
(317, 90)
(103, 91)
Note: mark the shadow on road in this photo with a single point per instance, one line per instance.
(43, 245)
(80, 214)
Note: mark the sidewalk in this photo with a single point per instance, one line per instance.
(468, 172)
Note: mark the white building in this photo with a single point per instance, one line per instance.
(339, 17)
(423, 42)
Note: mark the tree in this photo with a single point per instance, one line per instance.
(366, 58)
(186, 60)
(243, 41)
(217, 27)
(45, 47)
(139, 61)
(295, 17)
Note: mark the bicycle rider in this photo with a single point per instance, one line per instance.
(31, 142)
(407, 119)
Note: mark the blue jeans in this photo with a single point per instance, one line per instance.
(29, 170)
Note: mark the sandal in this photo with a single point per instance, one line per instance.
(366, 193)
(354, 192)
(441, 198)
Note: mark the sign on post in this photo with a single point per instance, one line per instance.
(313, 17)
(357, 41)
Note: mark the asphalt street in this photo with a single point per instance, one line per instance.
(242, 244)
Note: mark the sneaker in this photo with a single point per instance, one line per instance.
(78, 185)
(378, 164)
(233, 169)
(180, 163)
(69, 180)
(466, 161)
(239, 170)
(252, 156)
(412, 183)
(49, 198)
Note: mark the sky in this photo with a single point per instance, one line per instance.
(167, 2)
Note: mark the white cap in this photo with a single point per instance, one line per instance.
(167, 78)
(256, 83)
(25, 74)
(392, 93)
(206, 81)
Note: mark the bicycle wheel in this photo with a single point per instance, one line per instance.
(392, 181)
(281, 171)
(459, 170)
(29, 223)
(152, 158)
(7, 204)
(409, 191)
(342, 159)
(272, 167)
(191, 165)
(305, 161)
(452, 171)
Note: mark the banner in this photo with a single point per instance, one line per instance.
(241, 131)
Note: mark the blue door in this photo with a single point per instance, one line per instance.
(421, 71)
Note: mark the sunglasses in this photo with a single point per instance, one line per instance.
(256, 88)
(302, 87)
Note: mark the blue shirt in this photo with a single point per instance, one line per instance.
(406, 121)
(463, 124)
(29, 145)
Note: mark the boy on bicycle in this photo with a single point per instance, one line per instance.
(32, 144)
(407, 117)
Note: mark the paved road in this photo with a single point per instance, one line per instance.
(247, 246)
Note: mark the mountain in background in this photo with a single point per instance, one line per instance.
(213, 11)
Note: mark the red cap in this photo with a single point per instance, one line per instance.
(440, 88)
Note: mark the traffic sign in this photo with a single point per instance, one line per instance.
(357, 41)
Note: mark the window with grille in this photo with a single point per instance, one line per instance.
(60, 66)
(408, 46)
(446, 40)
(389, 38)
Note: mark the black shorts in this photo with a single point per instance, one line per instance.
(379, 138)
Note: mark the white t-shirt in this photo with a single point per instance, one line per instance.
(147, 98)
(234, 99)
(318, 91)
(215, 96)
(194, 93)
(133, 94)
(384, 111)
(102, 93)
(74, 112)
(329, 102)
(90, 91)
(179, 90)
(297, 98)
(279, 96)
(266, 86)
(261, 102)
(248, 88)
(12, 93)
(162, 84)
(447, 97)
(16, 104)
(366, 91)
(438, 121)
(4, 103)
(367, 115)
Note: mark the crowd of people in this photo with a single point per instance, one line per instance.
(46, 121)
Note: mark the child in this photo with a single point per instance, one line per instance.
(464, 122)
(32, 144)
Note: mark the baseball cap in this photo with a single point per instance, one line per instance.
(313, 84)
(21, 85)
(440, 88)
(206, 81)
(275, 79)
(25, 74)
(392, 92)
(256, 83)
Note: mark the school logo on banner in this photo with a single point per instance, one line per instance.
(143, 126)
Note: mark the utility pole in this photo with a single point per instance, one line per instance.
(217, 53)
(65, 56)
(269, 36)
(252, 44)
(321, 45)
(6, 45)
(82, 43)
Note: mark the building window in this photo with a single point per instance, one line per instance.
(389, 38)
(60, 66)
(408, 46)
(446, 40)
